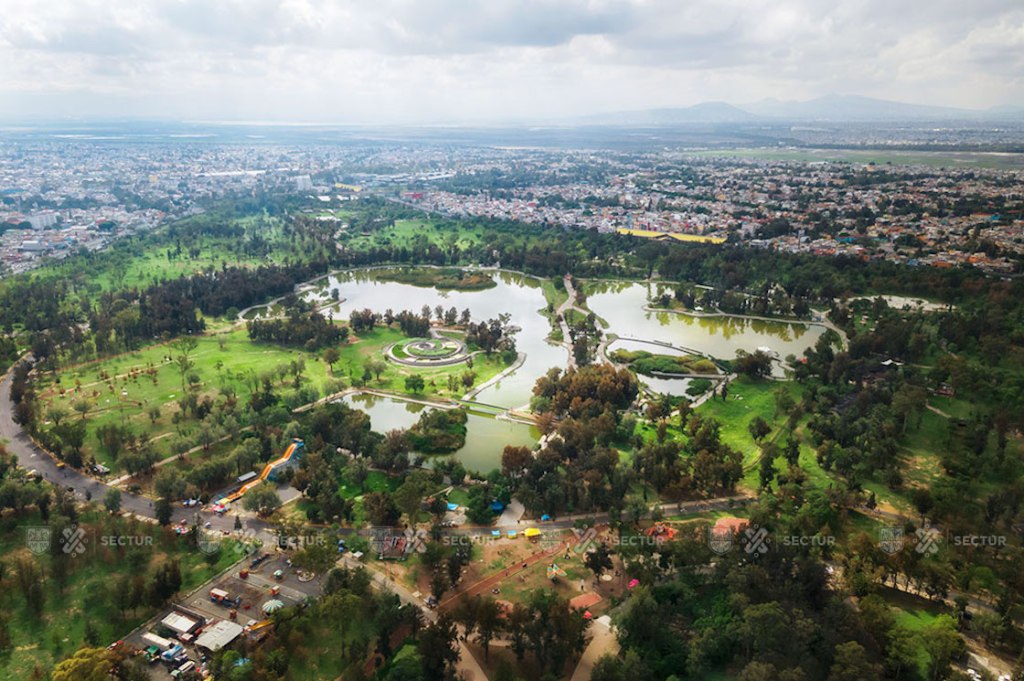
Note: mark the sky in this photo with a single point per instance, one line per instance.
(463, 61)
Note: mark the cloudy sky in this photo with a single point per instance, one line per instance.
(434, 61)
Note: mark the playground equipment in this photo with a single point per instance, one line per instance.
(660, 532)
(259, 625)
(555, 571)
(268, 471)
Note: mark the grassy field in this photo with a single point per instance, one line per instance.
(407, 232)
(39, 642)
(124, 389)
(139, 262)
(747, 400)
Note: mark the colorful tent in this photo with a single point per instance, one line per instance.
(532, 532)
(272, 605)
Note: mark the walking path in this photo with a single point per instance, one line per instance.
(602, 642)
(569, 302)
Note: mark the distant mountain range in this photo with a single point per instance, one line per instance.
(832, 108)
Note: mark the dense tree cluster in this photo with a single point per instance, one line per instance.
(309, 330)
(438, 431)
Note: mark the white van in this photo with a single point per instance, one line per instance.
(187, 667)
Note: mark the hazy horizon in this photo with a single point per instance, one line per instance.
(446, 62)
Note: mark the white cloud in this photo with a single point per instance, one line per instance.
(436, 60)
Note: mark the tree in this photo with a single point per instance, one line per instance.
(82, 407)
(29, 578)
(515, 461)
(438, 649)
(943, 644)
(56, 414)
(87, 664)
(756, 365)
(488, 623)
(112, 500)
(184, 345)
(408, 497)
(851, 663)
(598, 559)
(263, 500)
(380, 508)
(414, 383)
(758, 428)
(376, 367)
(317, 556)
(331, 356)
(163, 510)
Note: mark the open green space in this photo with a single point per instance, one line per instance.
(747, 400)
(442, 279)
(89, 606)
(143, 390)
(406, 233)
(649, 364)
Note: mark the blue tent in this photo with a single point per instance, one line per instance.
(497, 506)
(545, 517)
(453, 507)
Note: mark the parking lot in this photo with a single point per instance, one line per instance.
(254, 591)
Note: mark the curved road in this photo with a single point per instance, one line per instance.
(30, 456)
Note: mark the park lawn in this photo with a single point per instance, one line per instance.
(915, 615)
(39, 642)
(124, 388)
(553, 293)
(920, 453)
(376, 481)
(748, 399)
(140, 262)
(459, 496)
(861, 522)
(957, 408)
(315, 653)
(371, 345)
(406, 232)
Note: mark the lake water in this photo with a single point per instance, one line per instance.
(622, 306)
(519, 296)
(486, 436)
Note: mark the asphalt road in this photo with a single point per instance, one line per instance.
(31, 457)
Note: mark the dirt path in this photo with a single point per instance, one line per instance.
(488, 583)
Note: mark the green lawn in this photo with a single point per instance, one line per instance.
(406, 232)
(39, 642)
(123, 389)
(747, 400)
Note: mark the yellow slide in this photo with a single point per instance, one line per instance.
(266, 471)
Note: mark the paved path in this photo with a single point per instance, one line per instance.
(570, 302)
(467, 667)
(602, 642)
